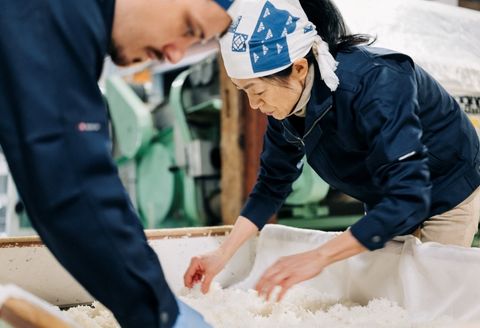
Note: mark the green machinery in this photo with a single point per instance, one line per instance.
(308, 206)
(169, 156)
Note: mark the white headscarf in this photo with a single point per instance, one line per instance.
(268, 36)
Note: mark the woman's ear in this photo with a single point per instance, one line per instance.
(300, 70)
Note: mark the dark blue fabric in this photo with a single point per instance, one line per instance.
(225, 4)
(390, 136)
(51, 55)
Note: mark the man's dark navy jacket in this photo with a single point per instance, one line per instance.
(53, 130)
(389, 136)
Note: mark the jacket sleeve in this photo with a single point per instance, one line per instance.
(387, 116)
(280, 166)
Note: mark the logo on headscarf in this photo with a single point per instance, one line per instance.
(239, 41)
(268, 44)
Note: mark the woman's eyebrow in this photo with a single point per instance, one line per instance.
(247, 86)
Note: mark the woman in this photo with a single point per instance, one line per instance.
(371, 123)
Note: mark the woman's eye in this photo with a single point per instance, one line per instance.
(259, 93)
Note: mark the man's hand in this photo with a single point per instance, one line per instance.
(290, 270)
(203, 269)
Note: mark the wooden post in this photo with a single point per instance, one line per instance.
(231, 149)
(255, 126)
(242, 131)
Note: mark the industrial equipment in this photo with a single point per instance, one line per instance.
(13, 217)
(168, 155)
(3, 190)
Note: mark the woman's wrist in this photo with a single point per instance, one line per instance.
(243, 230)
(226, 252)
(323, 255)
(339, 248)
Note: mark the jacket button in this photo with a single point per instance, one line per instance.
(376, 239)
(164, 317)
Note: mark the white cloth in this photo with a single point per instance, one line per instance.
(268, 36)
(429, 280)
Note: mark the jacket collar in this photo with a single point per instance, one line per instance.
(321, 100)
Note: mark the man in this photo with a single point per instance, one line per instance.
(53, 130)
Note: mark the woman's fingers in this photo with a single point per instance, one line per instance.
(271, 278)
(194, 273)
(271, 272)
(197, 277)
(206, 282)
(286, 285)
(283, 280)
(267, 285)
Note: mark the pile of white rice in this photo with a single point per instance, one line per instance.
(301, 307)
(94, 316)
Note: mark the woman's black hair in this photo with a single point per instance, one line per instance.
(331, 28)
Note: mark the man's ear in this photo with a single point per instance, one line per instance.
(300, 69)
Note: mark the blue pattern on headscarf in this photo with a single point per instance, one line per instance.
(239, 41)
(225, 4)
(268, 44)
(308, 28)
(233, 27)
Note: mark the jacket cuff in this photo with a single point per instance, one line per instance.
(259, 209)
(370, 233)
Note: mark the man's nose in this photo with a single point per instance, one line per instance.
(174, 53)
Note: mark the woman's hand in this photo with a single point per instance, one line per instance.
(290, 270)
(204, 268)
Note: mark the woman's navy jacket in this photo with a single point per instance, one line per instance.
(390, 136)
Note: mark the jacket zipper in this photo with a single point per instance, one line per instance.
(309, 130)
(293, 135)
